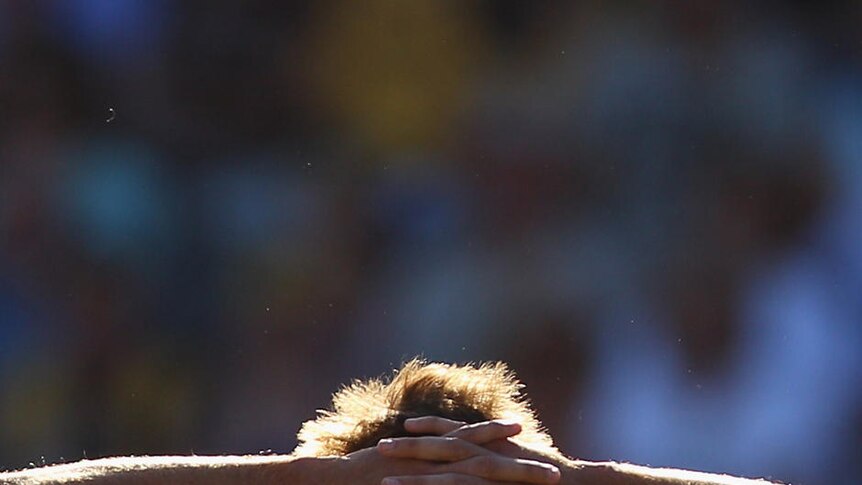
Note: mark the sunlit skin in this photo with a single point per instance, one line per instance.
(572, 472)
(461, 454)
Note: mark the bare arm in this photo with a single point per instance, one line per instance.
(574, 472)
(578, 472)
(191, 470)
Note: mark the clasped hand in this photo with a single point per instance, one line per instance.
(459, 454)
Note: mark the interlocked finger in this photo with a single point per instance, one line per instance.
(478, 433)
(486, 432)
(496, 467)
(431, 448)
(441, 479)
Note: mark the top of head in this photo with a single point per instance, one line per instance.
(367, 411)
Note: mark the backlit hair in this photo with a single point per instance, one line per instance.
(367, 411)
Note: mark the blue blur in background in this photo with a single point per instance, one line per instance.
(214, 213)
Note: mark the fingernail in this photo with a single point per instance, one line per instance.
(386, 444)
(507, 422)
(390, 481)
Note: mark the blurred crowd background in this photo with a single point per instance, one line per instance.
(213, 213)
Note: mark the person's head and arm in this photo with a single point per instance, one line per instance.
(431, 424)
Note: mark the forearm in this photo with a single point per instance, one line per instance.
(578, 472)
(186, 470)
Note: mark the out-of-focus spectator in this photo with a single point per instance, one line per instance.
(211, 215)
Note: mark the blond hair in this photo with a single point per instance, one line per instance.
(367, 411)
